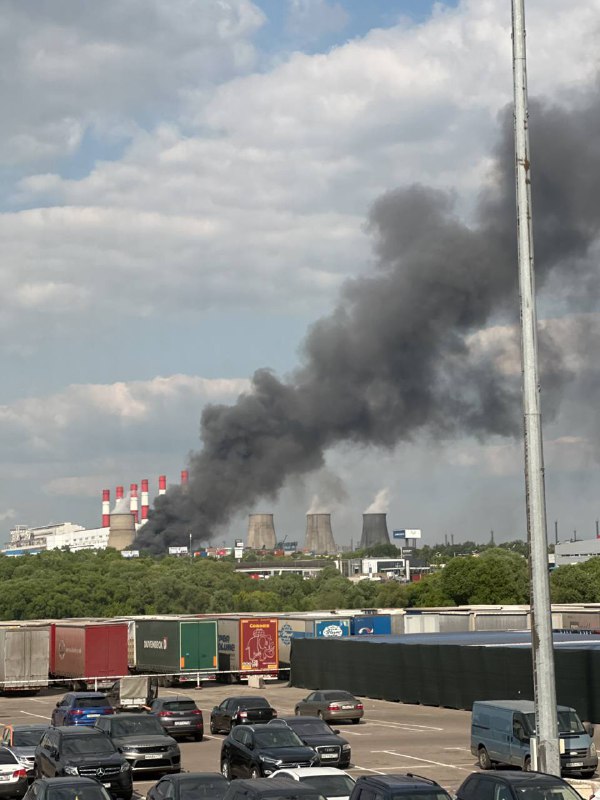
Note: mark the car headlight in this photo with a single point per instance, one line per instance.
(125, 766)
(592, 749)
(345, 747)
(174, 747)
(277, 762)
(71, 770)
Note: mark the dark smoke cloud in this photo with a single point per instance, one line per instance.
(395, 358)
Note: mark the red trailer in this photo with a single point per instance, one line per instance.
(89, 655)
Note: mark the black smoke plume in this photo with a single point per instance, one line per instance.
(396, 359)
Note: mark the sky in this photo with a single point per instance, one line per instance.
(186, 189)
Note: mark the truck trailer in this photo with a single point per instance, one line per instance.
(88, 655)
(24, 658)
(179, 650)
(247, 646)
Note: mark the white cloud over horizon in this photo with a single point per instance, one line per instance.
(158, 165)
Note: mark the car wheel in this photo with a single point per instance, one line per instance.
(483, 757)
(226, 770)
(356, 721)
(297, 711)
(198, 737)
(527, 765)
(213, 730)
(254, 773)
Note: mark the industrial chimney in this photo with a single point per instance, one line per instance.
(162, 484)
(261, 532)
(374, 530)
(145, 499)
(133, 502)
(185, 477)
(122, 531)
(105, 508)
(319, 536)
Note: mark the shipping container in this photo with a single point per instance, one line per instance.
(24, 658)
(500, 621)
(248, 646)
(89, 656)
(308, 625)
(181, 650)
(422, 623)
(371, 625)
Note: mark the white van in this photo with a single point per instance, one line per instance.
(501, 731)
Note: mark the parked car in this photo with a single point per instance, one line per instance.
(13, 775)
(189, 786)
(394, 787)
(83, 751)
(143, 741)
(80, 708)
(333, 749)
(331, 704)
(329, 781)
(253, 751)
(276, 788)
(179, 715)
(22, 741)
(66, 789)
(240, 711)
(515, 785)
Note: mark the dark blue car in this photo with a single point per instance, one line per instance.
(81, 708)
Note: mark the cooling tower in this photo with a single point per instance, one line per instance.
(261, 532)
(122, 531)
(374, 530)
(319, 536)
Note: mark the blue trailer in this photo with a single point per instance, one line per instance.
(371, 625)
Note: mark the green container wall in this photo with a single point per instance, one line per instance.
(199, 645)
(165, 645)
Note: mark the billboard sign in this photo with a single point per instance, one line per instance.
(407, 533)
(130, 553)
(332, 628)
(178, 551)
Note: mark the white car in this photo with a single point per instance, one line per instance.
(329, 781)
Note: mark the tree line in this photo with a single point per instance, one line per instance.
(58, 584)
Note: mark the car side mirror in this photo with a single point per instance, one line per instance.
(337, 733)
(58, 704)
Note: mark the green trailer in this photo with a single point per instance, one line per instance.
(178, 649)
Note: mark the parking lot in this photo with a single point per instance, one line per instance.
(392, 737)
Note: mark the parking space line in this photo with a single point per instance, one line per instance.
(423, 760)
(367, 769)
(355, 733)
(41, 716)
(407, 725)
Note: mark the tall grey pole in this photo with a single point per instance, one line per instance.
(541, 633)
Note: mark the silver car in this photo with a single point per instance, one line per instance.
(331, 704)
(22, 741)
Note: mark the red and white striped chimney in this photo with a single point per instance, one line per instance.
(119, 493)
(185, 476)
(105, 508)
(145, 500)
(133, 501)
(162, 484)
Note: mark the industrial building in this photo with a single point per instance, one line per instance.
(576, 552)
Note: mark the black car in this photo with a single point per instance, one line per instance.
(143, 741)
(87, 752)
(13, 775)
(189, 786)
(179, 715)
(66, 789)
(240, 711)
(333, 749)
(394, 787)
(254, 751)
(275, 788)
(514, 785)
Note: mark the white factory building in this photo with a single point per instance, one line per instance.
(54, 537)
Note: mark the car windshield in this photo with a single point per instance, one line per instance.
(179, 705)
(91, 702)
(139, 726)
(277, 737)
(30, 738)
(558, 792)
(193, 788)
(432, 794)
(84, 745)
(568, 722)
(330, 785)
(308, 728)
(6, 757)
(77, 793)
(339, 696)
